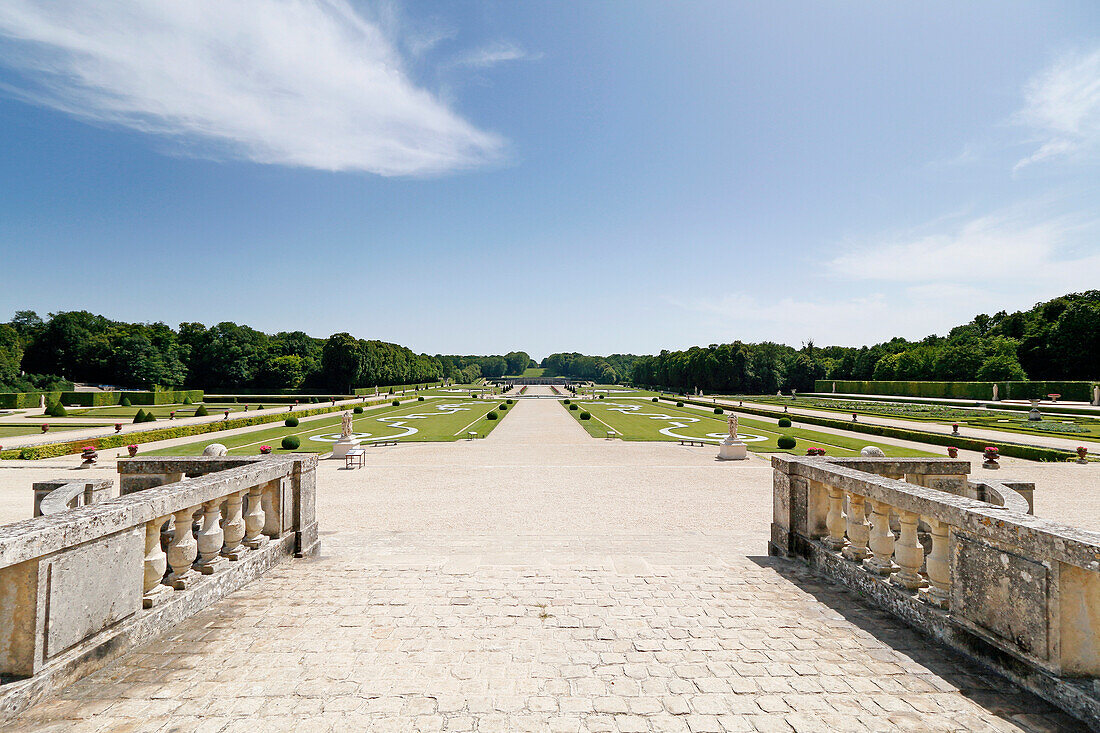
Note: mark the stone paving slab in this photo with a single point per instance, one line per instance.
(582, 633)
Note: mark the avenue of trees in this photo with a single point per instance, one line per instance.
(599, 369)
(1055, 340)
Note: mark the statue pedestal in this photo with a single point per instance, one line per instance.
(342, 446)
(732, 450)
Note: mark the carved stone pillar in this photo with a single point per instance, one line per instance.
(156, 562)
(835, 519)
(233, 529)
(858, 529)
(908, 552)
(938, 564)
(182, 550)
(882, 540)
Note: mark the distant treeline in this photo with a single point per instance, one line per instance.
(78, 346)
(599, 369)
(1055, 340)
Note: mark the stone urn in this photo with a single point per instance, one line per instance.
(118, 427)
(952, 452)
(89, 455)
(991, 455)
(954, 428)
(1034, 415)
(1082, 453)
(132, 450)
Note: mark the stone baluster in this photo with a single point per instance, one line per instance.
(859, 530)
(272, 506)
(254, 519)
(882, 540)
(908, 552)
(834, 520)
(938, 564)
(211, 538)
(182, 550)
(156, 562)
(233, 530)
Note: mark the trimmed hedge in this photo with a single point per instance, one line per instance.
(1075, 391)
(574, 407)
(586, 416)
(492, 416)
(291, 422)
(396, 403)
(786, 442)
(784, 422)
(291, 442)
(121, 440)
(358, 409)
(26, 400)
(1016, 450)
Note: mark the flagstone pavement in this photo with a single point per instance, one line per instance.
(542, 580)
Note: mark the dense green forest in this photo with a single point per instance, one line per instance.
(600, 369)
(1056, 339)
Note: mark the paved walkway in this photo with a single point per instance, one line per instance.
(540, 580)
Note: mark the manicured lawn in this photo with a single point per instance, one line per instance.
(1008, 420)
(7, 431)
(641, 419)
(531, 372)
(126, 414)
(433, 420)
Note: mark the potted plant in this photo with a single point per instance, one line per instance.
(132, 450)
(1082, 452)
(952, 452)
(265, 449)
(226, 415)
(991, 455)
(954, 428)
(45, 427)
(118, 427)
(172, 415)
(88, 453)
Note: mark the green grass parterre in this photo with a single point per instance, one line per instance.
(643, 420)
(439, 423)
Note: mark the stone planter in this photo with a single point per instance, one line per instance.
(1082, 453)
(952, 452)
(132, 450)
(991, 455)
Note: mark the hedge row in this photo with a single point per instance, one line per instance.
(1048, 408)
(1076, 391)
(18, 400)
(382, 389)
(120, 440)
(277, 399)
(1016, 450)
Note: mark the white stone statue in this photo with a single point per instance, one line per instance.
(732, 449)
(732, 422)
(345, 425)
(996, 396)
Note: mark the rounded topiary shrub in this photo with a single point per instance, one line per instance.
(509, 401)
(396, 403)
(357, 410)
(786, 442)
(573, 407)
(492, 416)
(503, 407)
(718, 411)
(566, 402)
(140, 416)
(654, 399)
(586, 416)
(784, 422)
(679, 404)
(202, 411)
(125, 402)
(419, 399)
(291, 422)
(291, 442)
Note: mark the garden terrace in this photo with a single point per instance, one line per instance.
(80, 586)
(1018, 593)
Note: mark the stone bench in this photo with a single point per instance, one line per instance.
(689, 442)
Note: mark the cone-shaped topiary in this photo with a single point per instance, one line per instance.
(202, 411)
(187, 400)
(149, 417)
(56, 410)
(291, 442)
(140, 416)
(125, 402)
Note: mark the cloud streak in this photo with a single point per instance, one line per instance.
(493, 54)
(1062, 106)
(286, 82)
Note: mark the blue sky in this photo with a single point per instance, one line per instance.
(600, 177)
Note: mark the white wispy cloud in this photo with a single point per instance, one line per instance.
(493, 54)
(1062, 107)
(1004, 246)
(309, 83)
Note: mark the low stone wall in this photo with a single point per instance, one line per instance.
(80, 587)
(961, 560)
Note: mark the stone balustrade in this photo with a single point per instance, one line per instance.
(61, 495)
(963, 560)
(79, 586)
